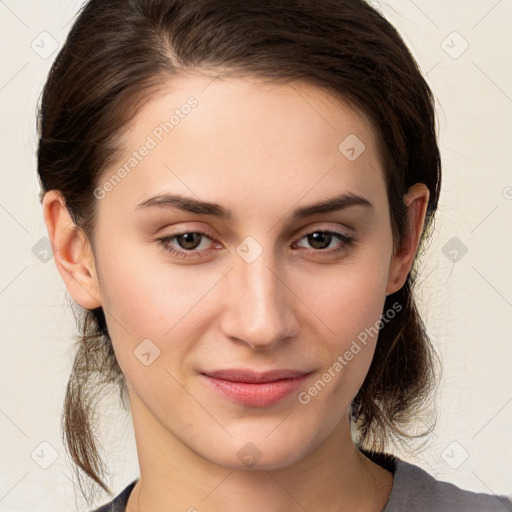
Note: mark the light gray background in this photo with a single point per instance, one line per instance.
(467, 303)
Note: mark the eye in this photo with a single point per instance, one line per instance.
(321, 240)
(187, 243)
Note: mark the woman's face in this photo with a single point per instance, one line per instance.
(263, 289)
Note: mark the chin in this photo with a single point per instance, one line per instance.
(261, 454)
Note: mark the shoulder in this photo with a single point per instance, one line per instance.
(415, 490)
(118, 504)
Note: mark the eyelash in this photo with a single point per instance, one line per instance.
(347, 240)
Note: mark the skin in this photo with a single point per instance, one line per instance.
(260, 151)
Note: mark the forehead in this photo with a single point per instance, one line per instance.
(226, 139)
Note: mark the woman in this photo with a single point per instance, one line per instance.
(236, 193)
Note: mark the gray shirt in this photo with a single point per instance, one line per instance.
(414, 490)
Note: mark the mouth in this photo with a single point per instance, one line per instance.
(255, 389)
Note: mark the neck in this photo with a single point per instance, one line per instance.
(335, 476)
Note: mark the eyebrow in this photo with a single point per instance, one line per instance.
(190, 205)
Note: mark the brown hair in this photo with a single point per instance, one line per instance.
(121, 51)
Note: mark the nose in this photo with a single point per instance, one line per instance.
(260, 307)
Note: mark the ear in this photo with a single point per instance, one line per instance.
(72, 252)
(416, 201)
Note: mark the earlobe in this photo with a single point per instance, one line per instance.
(416, 201)
(72, 252)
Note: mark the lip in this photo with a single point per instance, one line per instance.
(255, 389)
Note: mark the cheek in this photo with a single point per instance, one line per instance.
(355, 322)
(349, 303)
(141, 292)
(146, 299)
(350, 307)
(350, 299)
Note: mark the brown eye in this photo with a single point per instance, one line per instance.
(321, 240)
(184, 245)
(189, 241)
